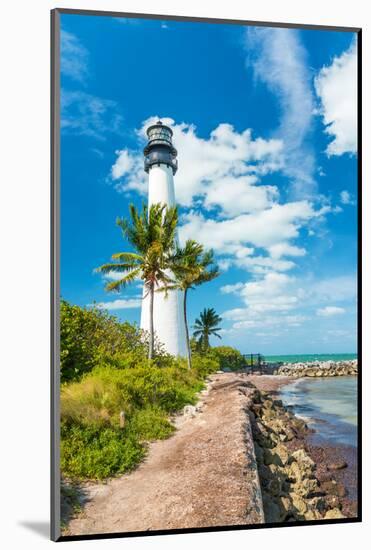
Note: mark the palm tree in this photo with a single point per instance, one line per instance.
(191, 267)
(206, 326)
(152, 235)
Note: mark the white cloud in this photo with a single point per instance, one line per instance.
(279, 60)
(239, 194)
(336, 86)
(74, 57)
(272, 293)
(285, 249)
(226, 159)
(280, 222)
(267, 288)
(284, 300)
(85, 114)
(280, 320)
(271, 229)
(124, 163)
(120, 303)
(268, 302)
(334, 289)
(346, 198)
(330, 311)
(128, 20)
(231, 289)
(263, 264)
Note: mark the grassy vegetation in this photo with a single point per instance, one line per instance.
(105, 372)
(93, 444)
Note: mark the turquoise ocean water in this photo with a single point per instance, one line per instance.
(310, 357)
(329, 405)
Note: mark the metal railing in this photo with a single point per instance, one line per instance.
(254, 360)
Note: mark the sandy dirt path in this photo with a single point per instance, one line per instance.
(204, 475)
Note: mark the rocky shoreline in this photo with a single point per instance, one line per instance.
(298, 482)
(318, 369)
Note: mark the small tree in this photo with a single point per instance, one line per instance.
(229, 358)
(206, 326)
(152, 235)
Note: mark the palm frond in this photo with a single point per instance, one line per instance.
(116, 267)
(116, 286)
(166, 288)
(127, 256)
(170, 222)
(192, 266)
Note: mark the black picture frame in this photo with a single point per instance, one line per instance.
(55, 271)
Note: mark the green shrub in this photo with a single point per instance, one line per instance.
(205, 364)
(150, 423)
(90, 336)
(228, 357)
(96, 453)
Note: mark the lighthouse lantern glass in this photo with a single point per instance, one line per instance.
(160, 133)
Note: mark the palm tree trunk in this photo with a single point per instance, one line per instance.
(151, 331)
(189, 359)
(206, 341)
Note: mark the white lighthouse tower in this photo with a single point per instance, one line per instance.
(161, 164)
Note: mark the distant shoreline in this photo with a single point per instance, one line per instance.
(310, 357)
(317, 368)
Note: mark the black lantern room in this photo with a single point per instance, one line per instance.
(159, 149)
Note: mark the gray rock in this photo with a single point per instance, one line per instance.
(189, 411)
(337, 465)
(335, 513)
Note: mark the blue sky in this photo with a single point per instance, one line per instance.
(264, 121)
